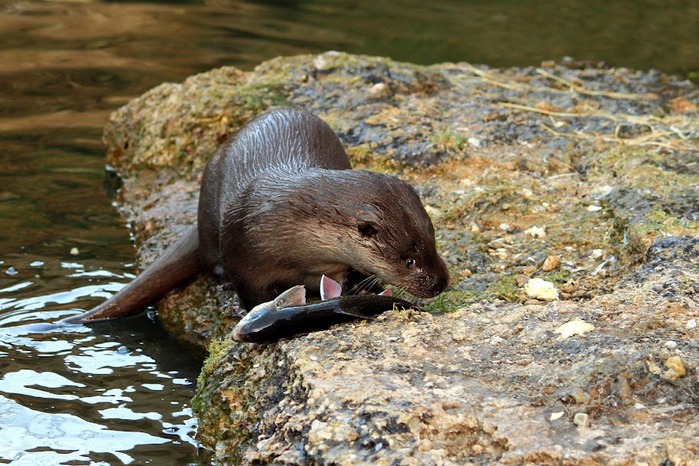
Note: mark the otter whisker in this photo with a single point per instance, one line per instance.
(364, 285)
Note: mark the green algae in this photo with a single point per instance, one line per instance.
(505, 287)
(450, 301)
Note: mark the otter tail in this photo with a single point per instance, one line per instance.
(178, 265)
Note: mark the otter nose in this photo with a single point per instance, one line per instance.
(440, 285)
(441, 280)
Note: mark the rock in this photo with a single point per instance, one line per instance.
(574, 327)
(482, 378)
(551, 263)
(541, 289)
(581, 420)
(675, 368)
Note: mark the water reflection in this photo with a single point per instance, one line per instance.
(70, 437)
(84, 400)
(113, 394)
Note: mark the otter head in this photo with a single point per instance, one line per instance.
(320, 221)
(392, 234)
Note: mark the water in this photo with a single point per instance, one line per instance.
(120, 394)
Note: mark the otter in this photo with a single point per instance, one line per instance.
(280, 206)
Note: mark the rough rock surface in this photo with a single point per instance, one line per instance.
(583, 177)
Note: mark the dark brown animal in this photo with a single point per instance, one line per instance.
(279, 206)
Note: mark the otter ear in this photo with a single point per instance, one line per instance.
(368, 229)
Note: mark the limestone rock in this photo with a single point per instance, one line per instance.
(482, 378)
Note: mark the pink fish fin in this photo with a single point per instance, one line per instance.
(294, 296)
(329, 288)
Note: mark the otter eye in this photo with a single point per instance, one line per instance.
(410, 263)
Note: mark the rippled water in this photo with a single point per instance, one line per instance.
(119, 393)
(74, 399)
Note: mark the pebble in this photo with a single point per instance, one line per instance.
(536, 232)
(556, 416)
(433, 212)
(581, 419)
(541, 289)
(675, 368)
(604, 191)
(574, 327)
(322, 64)
(378, 91)
(596, 253)
(496, 340)
(551, 263)
(691, 323)
(653, 368)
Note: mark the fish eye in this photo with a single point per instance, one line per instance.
(410, 263)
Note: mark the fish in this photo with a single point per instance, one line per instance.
(288, 315)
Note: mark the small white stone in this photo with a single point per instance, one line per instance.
(474, 142)
(378, 91)
(593, 208)
(670, 344)
(691, 323)
(433, 212)
(496, 340)
(556, 416)
(541, 289)
(596, 253)
(574, 327)
(536, 232)
(604, 191)
(322, 64)
(320, 429)
(581, 419)
(74, 252)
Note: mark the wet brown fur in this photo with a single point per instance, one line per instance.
(279, 206)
